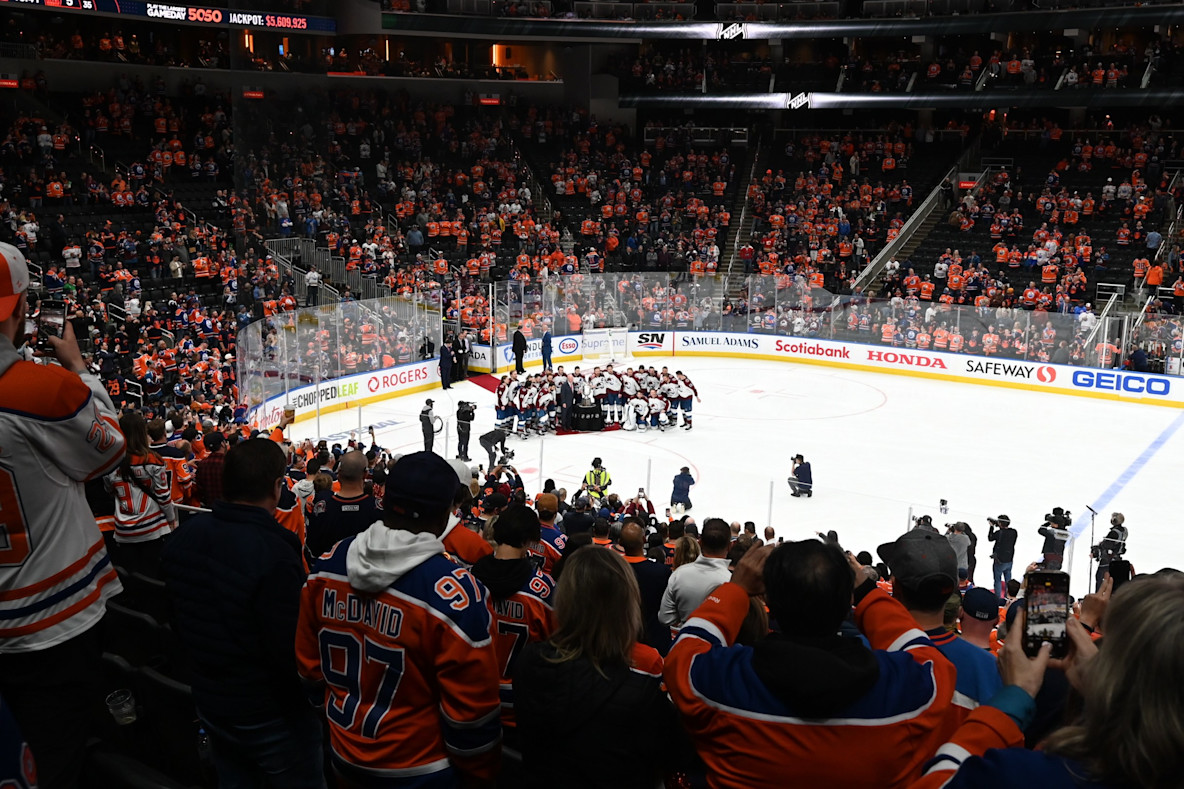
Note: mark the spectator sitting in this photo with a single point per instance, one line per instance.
(887, 704)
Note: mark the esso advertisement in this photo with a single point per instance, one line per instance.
(568, 346)
(347, 392)
(1017, 373)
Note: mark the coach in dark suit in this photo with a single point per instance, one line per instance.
(567, 400)
(519, 348)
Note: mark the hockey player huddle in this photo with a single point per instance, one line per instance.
(639, 399)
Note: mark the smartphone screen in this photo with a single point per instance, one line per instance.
(52, 319)
(1120, 572)
(1046, 599)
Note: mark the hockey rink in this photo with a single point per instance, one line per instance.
(881, 447)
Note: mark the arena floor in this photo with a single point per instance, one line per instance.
(881, 446)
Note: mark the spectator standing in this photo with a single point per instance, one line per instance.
(446, 359)
(427, 626)
(518, 347)
(343, 513)
(233, 578)
(1130, 681)
(591, 677)
(520, 599)
(55, 575)
(144, 513)
(652, 578)
(924, 576)
(1003, 554)
(209, 474)
(889, 703)
(691, 583)
(682, 488)
(312, 281)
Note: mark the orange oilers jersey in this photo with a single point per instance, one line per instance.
(181, 473)
(524, 617)
(57, 431)
(726, 707)
(465, 545)
(410, 670)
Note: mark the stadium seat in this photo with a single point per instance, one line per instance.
(134, 636)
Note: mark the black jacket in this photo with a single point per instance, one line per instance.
(652, 579)
(1004, 540)
(581, 729)
(233, 578)
(519, 342)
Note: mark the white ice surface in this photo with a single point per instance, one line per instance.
(879, 444)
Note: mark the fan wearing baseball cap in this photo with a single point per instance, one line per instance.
(58, 430)
(409, 670)
(924, 575)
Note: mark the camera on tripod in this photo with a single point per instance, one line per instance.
(1060, 518)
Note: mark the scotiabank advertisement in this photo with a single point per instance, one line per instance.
(1063, 379)
(348, 392)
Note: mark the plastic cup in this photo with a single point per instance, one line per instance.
(122, 706)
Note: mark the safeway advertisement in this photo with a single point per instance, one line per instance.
(1114, 384)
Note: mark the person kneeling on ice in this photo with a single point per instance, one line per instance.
(801, 480)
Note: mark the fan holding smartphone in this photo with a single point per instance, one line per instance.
(51, 322)
(1046, 601)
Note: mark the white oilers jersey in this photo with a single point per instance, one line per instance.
(612, 382)
(143, 504)
(629, 385)
(657, 405)
(57, 431)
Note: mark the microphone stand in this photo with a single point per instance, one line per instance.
(1093, 514)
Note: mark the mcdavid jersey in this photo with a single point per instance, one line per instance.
(524, 617)
(549, 548)
(57, 431)
(144, 504)
(411, 671)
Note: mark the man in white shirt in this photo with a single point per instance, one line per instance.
(312, 281)
(690, 584)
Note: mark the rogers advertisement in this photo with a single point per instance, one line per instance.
(350, 391)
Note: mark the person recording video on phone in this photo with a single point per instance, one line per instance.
(1111, 548)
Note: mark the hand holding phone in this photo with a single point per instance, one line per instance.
(1046, 600)
(51, 322)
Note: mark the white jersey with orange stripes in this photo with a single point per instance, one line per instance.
(143, 501)
(57, 430)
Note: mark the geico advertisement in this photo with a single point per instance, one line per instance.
(1143, 387)
(355, 387)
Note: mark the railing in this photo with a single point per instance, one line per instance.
(16, 51)
(700, 135)
(773, 12)
(589, 9)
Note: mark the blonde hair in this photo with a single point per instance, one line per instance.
(686, 550)
(1131, 728)
(598, 609)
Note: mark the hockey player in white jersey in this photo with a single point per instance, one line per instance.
(658, 406)
(629, 386)
(687, 393)
(637, 411)
(598, 388)
(613, 399)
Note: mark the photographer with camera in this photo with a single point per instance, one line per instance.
(495, 438)
(801, 480)
(1055, 533)
(465, 412)
(1000, 532)
(1110, 548)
